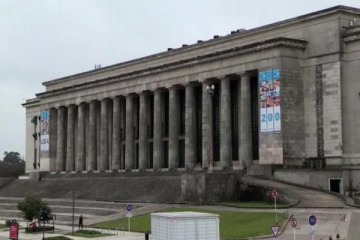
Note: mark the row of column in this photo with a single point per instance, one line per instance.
(77, 134)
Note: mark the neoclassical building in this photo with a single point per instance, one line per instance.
(284, 94)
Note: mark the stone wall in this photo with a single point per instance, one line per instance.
(204, 188)
(319, 179)
(351, 176)
(332, 112)
(323, 119)
(5, 181)
(309, 178)
(350, 88)
(292, 112)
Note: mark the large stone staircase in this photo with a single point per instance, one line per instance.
(141, 187)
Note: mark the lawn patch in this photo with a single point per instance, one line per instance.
(89, 234)
(58, 238)
(263, 205)
(232, 224)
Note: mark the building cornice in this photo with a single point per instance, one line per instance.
(219, 39)
(201, 59)
(31, 102)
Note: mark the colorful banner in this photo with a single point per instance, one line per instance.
(269, 102)
(262, 84)
(45, 129)
(270, 114)
(277, 100)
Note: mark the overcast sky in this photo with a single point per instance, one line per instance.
(48, 39)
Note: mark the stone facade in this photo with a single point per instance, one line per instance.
(197, 107)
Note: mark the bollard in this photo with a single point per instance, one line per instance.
(330, 238)
(337, 236)
(147, 236)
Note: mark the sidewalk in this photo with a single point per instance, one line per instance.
(63, 230)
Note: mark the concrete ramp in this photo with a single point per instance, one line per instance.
(307, 198)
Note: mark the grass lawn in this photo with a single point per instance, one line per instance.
(253, 205)
(89, 234)
(58, 238)
(3, 226)
(232, 224)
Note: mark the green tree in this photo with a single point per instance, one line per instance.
(12, 157)
(12, 165)
(31, 206)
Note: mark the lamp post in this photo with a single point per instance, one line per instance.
(34, 121)
(210, 88)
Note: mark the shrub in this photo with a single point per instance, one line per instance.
(31, 206)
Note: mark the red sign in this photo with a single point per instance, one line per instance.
(14, 231)
(274, 194)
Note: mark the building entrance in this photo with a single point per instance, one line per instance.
(335, 185)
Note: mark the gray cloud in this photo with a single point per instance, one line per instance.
(43, 40)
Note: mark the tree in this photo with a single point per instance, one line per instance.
(12, 157)
(12, 165)
(31, 207)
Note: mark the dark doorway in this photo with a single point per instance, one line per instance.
(254, 90)
(335, 185)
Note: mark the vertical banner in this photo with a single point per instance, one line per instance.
(262, 91)
(269, 101)
(277, 100)
(45, 129)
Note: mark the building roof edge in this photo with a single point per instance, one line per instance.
(256, 29)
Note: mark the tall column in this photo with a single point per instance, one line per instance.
(110, 133)
(173, 128)
(80, 162)
(60, 146)
(70, 146)
(158, 134)
(92, 150)
(53, 138)
(225, 124)
(129, 135)
(122, 131)
(143, 133)
(189, 127)
(206, 155)
(104, 139)
(245, 121)
(116, 135)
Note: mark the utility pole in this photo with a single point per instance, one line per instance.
(73, 211)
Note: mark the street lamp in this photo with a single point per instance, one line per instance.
(210, 88)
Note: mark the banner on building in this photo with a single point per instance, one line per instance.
(277, 100)
(44, 131)
(270, 110)
(262, 84)
(269, 101)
